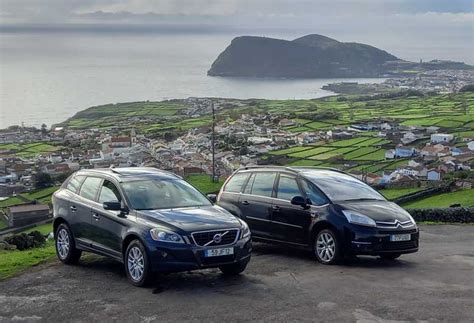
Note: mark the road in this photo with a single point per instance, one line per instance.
(280, 284)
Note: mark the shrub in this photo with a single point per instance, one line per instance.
(25, 241)
(452, 215)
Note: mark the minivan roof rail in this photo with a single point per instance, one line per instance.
(295, 169)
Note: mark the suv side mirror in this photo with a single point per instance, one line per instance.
(299, 200)
(112, 206)
(212, 197)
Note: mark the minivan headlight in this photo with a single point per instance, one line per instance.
(245, 230)
(357, 218)
(159, 234)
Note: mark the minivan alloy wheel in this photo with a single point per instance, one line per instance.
(136, 263)
(63, 243)
(325, 247)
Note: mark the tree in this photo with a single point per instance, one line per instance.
(42, 180)
(44, 128)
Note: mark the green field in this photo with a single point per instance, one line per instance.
(394, 193)
(30, 149)
(463, 197)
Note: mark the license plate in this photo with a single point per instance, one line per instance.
(400, 237)
(219, 252)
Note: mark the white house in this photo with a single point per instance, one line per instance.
(390, 154)
(470, 145)
(441, 137)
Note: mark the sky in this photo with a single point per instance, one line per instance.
(448, 24)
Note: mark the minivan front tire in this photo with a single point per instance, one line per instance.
(137, 265)
(66, 250)
(326, 247)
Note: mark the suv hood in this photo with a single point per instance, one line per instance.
(192, 218)
(377, 210)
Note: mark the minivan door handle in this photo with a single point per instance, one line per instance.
(245, 202)
(95, 216)
(276, 208)
(73, 208)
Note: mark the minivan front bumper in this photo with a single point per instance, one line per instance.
(168, 257)
(377, 241)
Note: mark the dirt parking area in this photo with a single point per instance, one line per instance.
(280, 284)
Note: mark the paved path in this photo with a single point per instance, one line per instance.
(436, 284)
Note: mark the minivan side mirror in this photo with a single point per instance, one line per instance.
(299, 200)
(212, 197)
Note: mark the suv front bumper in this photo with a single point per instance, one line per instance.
(167, 257)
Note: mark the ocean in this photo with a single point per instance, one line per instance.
(48, 77)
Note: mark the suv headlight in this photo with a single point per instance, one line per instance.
(357, 218)
(159, 234)
(245, 230)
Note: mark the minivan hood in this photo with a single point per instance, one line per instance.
(384, 211)
(192, 219)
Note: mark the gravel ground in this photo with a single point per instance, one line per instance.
(280, 284)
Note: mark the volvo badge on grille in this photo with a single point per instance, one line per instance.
(217, 238)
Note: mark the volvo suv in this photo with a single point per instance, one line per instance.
(150, 220)
(330, 212)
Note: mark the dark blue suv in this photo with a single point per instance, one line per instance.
(151, 220)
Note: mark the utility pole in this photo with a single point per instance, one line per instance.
(213, 143)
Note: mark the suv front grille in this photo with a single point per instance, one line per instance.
(215, 237)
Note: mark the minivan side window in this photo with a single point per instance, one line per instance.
(90, 187)
(263, 184)
(314, 194)
(74, 183)
(236, 182)
(109, 193)
(287, 187)
(248, 187)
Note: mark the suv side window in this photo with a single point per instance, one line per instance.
(248, 187)
(287, 187)
(90, 187)
(263, 184)
(314, 194)
(236, 182)
(109, 193)
(74, 183)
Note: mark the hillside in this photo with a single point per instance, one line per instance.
(311, 56)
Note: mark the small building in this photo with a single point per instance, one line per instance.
(21, 215)
(470, 145)
(441, 138)
(404, 151)
(433, 174)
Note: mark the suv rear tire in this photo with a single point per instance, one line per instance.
(234, 269)
(65, 245)
(137, 265)
(326, 247)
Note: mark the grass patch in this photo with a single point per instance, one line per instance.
(463, 197)
(14, 262)
(204, 183)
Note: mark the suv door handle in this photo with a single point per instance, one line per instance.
(95, 216)
(73, 208)
(245, 202)
(276, 208)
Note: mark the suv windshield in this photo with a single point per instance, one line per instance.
(153, 194)
(342, 187)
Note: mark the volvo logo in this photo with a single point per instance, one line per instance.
(217, 238)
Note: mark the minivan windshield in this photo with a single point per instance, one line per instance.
(342, 187)
(150, 194)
